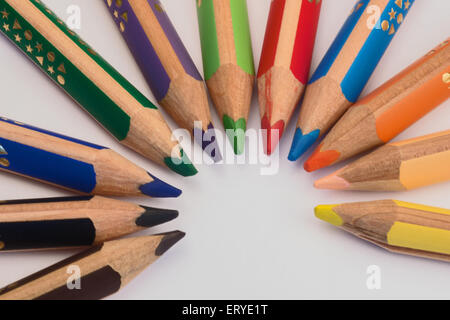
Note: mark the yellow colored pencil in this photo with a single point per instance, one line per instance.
(397, 226)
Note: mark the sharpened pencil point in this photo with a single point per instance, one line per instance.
(236, 132)
(321, 159)
(182, 166)
(154, 216)
(208, 142)
(159, 189)
(168, 241)
(332, 182)
(274, 133)
(301, 143)
(326, 213)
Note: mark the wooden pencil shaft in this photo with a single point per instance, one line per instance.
(396, 226)
(67, 162)
(102, 270)
(403, 165)
(87, 78)
(53, 223)
(393, 107)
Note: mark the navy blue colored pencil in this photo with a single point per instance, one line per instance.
(74, 164)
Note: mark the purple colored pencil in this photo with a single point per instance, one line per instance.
(166, 65)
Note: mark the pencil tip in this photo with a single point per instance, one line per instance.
(332, 182)
(168, 241)
(273, 133)
(154, 216)
(207, 139)
(327, 214)
(159, 189)
(301, 143)
(182, 165)
(321, 159)
(236, 132)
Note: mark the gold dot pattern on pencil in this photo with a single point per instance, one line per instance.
(4, 162)
(28, 35)
(159, 7)
(446, 78)
(393, 16)
(61, 80)
(120, 18)
(356, 8)
(51, 56)
(23, 38)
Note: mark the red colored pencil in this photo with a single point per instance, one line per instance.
(285, 62)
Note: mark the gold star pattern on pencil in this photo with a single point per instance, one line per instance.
(24, 38)
(395, 17)
(392, 14)
(4, 14)
(120, 18)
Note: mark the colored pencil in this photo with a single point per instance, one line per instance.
(97, 87)
(285, 63)
(347, 66)
(228, 63)
(51, 223)
(167, 66)
(397, 226)
(100, 271)
(74, 164)
(397, 166)
(387, 111)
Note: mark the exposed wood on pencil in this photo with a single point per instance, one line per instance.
(228, 63)
(387, 111)
(52, 223)
(285, 63)
(92, 82)
(103, 270)
(345, 69)
(397, 166)
(397, 226)
(74, 164)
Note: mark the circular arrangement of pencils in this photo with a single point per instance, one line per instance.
(331, 112)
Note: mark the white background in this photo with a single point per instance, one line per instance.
(248, 236)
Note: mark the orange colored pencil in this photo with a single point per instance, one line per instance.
(346, 68)
(388, 110)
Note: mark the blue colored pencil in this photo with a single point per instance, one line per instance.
(346, 68)
(74, 164)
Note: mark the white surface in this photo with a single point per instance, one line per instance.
(248, 236)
